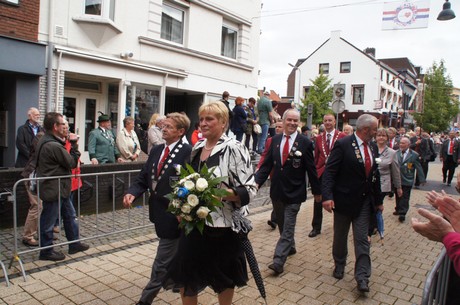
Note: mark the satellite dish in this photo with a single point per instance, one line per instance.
(338, 106)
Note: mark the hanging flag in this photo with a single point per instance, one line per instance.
(405, 15)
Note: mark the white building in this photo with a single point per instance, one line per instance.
(366, 85)
(111, 56)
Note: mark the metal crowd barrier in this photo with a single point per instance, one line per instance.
(436, 285)
(121, 220)
(6, 193)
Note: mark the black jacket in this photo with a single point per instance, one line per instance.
(289, 183)
(166, 224)
(24, 139)
(344, 179)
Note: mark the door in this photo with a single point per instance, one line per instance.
(80, 110)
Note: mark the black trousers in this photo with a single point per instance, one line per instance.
(317, 220)
(448, 169)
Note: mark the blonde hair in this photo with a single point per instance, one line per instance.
(153, 119)
(218, 109)
(181, 120)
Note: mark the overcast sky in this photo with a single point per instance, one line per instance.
(293, 29)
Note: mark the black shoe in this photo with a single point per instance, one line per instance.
(276, 268)
(448, 184)
(313, 233)
(271, 224)
(52, 256)
(444, 180)
(338, 272)
(78, 247)
(402, 218)
(395, 213)
(141, 303)
(292, 251)
(363, 286)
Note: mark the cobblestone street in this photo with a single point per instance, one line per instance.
(116, 268)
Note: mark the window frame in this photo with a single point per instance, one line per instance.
(107, 10)
(321, 65)
(12, 2)
(342, 68)
(354, 90)
(235, 49)
(164, 37)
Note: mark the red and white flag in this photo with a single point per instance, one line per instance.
(405, 15)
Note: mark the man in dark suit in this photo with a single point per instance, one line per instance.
(393, 140)
(290, 156)
(323, 146)
(450, 157)
(351, 188)
(156, 176)
(25, 136)
(421, 146)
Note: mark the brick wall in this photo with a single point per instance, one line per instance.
(20, 21)
(9, 177)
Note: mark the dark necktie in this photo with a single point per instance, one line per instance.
(286, 149)
(328, 143)
(162, 161)
(403, 154)
(367, 160)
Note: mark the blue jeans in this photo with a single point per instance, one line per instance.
(48, 218)
(263, 138)
(239, 135)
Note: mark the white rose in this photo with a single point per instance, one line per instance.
(188, 217)
(189, 185)
(192, 200)
(202, 212)
(298, 153)
(175, 203)
(201, 184)
(378, 160)
(186, 208)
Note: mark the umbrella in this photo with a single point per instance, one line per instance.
(380, 224)
(253, 265)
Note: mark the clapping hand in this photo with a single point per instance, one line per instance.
(435, 229)
(450, 208)
(433, 195)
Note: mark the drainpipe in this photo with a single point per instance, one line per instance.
(49, 83)
(163, 95)
(58, 72)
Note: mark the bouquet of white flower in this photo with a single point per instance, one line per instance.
(195, 196)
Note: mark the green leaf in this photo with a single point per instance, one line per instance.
(188, 228)
(189, 169)
(200, 226)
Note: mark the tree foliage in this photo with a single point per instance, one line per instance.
(320, 95)
(438, 105)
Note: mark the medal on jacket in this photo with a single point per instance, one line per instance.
(323, 140)
(167, 164)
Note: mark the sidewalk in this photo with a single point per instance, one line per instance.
(116, 272)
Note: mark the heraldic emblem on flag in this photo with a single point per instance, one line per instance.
(405, 15)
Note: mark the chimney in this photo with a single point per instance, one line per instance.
(335, 34)
(370, 51)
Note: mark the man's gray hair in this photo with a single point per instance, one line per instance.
(290, 110)
(364, 121)
(160, 118)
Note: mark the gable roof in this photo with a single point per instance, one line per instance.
(400, 64)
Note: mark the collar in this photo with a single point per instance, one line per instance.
(171, 146)
(331, 133)
(359, 140)
(291, 136)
